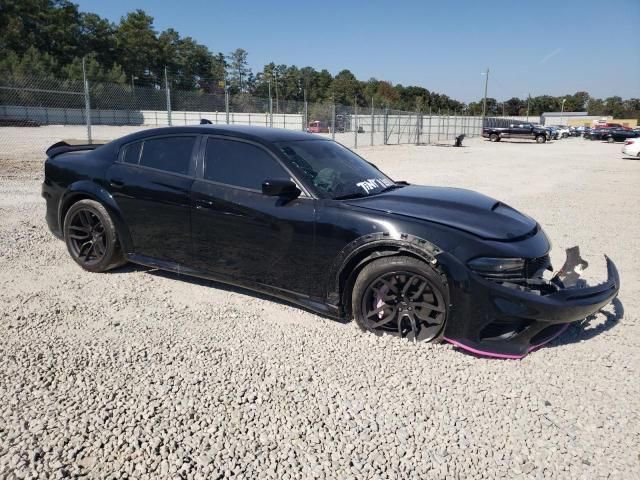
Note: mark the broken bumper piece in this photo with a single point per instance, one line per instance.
(514, 318)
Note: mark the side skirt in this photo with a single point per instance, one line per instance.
(316, 305)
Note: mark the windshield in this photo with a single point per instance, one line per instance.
(335, 171)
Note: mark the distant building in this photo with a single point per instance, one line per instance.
(568, 118)
(575, 119)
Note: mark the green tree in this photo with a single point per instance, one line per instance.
(137, 47)
(238, 68)
(96, 72)
(345, 88)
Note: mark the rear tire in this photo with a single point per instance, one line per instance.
(610, 140)
(494, 137)
(401, 296)
(91, 237)
(541, 139)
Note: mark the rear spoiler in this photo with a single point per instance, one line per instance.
(64, 147)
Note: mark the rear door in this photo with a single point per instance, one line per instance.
(521, 131)
(151, 183)
(240, 233)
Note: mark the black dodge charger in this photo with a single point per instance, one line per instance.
(305, 219)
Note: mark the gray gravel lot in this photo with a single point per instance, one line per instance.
(145, 374)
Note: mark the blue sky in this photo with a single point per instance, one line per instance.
(536, 46)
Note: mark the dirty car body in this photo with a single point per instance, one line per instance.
(308, 233)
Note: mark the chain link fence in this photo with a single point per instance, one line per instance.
(35, 112)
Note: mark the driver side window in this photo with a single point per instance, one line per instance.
(240, 164)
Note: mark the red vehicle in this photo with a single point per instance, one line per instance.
(318, 127)
(611, 125)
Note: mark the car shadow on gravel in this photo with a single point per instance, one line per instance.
(203, 282)
(517, 141)
(592, 326)
(631, 158)
(445, 145)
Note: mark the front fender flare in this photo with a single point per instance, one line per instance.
(369, 246)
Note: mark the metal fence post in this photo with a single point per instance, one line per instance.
(430, 121)
(355, 126)
(333, 121)
(87, 103)
(418, 122)
(385, 125)
(226, 103)
(446, 128)
(166, 86)
(270, 110)
(372, 121)
(305, 120)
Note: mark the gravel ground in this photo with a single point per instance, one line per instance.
(145, 374)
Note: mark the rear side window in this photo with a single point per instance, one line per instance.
(171, 154)
(240, 164)
(132, 153)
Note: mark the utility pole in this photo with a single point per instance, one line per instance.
(484, 102)
(528, 100)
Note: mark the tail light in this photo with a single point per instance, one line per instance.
(629, 142)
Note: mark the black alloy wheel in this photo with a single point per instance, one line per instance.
(91, 237)
(87, 237)
(406, 300)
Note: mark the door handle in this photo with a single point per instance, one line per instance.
(116, 183)
(204, 204)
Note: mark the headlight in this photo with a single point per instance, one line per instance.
(491, 266)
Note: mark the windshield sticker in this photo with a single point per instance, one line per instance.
(374, 183)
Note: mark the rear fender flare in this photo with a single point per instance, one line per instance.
(88, 189)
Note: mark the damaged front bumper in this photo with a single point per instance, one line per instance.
(510, 319)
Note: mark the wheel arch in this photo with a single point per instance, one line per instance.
(84, 190)
(357, 254)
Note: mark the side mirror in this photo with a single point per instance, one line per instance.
(280, 188)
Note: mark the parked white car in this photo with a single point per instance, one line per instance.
(563, 130)
(631, 147)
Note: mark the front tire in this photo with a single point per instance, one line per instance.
(91, 237)
(494, 137)
(610, 140)
(401, 296)
(541, 139)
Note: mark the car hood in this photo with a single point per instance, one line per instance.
(455, 207)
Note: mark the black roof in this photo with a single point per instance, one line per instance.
(243, 131)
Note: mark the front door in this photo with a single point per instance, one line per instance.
(240, 233)
(151, 183)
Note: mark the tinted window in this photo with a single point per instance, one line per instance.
(240, 164)
(334, 170)
(172, 154)
(132, 153)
